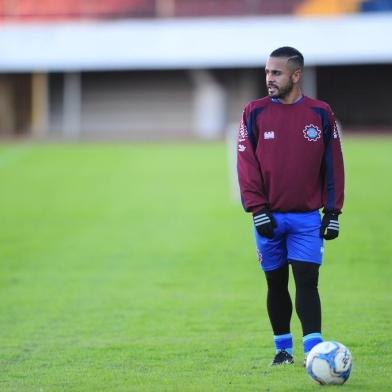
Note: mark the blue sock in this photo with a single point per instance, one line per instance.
(310, 341)
(284, 342)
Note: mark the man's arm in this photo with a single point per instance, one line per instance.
(334, 180)
(334, 168)
(249, 174)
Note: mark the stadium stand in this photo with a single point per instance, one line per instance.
(376, 6)
(235, 7)
(330, 7)
(49, 10)
(74, 9)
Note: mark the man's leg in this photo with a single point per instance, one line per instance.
(305, 253)
(272, 254)
(278, 300)
(307, 302)
(280, 308)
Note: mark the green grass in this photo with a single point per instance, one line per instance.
(128, 268)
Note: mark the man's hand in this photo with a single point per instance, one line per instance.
(329, 229)
(264, 223)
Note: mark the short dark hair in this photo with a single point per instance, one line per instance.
(294, 56)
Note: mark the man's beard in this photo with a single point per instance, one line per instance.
(283, 91)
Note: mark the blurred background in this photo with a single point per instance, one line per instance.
(168, 69)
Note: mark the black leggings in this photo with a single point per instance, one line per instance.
(307, 300)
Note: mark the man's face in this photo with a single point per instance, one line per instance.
(279, 77)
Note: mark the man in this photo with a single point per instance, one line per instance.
(290, 165)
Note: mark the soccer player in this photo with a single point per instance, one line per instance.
(290, 165)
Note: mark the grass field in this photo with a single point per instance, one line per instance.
(128, 268)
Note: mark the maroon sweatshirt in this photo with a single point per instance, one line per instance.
(289, 157)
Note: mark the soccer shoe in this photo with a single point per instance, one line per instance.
(282, 358)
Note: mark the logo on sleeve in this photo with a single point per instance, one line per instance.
(335, 131)
(243, 132)
(312, 133)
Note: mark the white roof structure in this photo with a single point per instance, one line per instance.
(193, 43)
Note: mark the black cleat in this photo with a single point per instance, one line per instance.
(282, 358)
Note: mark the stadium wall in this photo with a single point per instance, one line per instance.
(185, 78)
(152, 104)
(148, 105)
(359, 94)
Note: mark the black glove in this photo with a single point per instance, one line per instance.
(264, 223)
(329, 229)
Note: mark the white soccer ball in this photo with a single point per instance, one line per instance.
(329, 363)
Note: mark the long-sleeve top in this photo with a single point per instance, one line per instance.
(289, 157)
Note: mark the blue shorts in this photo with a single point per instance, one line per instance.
(296, 237)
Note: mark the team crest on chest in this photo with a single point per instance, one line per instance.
(312, 133)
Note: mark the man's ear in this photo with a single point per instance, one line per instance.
(296, 75)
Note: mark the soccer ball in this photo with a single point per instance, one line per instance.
(329, 363)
